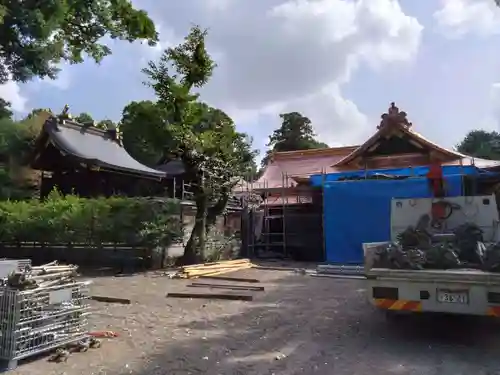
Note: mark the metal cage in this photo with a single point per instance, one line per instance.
(38, 320)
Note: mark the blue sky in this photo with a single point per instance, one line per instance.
(339, 62)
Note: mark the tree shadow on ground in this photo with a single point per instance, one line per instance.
(306, 325)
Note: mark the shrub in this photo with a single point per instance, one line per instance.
(95, 222)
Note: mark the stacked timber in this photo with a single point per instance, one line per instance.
(46, 276)
(213, 269)
(43, 308)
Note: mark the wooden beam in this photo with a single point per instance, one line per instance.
(124, 301)
(227, 278)
(228, 286)
(225, 296)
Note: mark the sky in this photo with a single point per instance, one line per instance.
(338, 62)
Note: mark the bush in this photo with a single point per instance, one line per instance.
(94, 222)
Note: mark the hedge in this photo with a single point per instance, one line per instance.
(94, 222)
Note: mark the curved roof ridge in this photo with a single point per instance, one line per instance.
(94, 146)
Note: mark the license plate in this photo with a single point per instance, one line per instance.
(446, 296)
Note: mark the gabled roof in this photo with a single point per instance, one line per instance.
(92, 146)
(286, 166)
(395, 124)
(172, 168)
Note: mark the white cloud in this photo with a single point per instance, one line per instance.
(63, 80)
(281, 55)
(457, 18)
(298, 53)
(493, 122)
(337, 120)
(11, 92)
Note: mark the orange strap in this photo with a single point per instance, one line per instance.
(103, 334)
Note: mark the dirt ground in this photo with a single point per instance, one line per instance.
(298, 325)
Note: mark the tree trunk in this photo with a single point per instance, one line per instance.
(194, 252)
(201, 223)
(217, 209)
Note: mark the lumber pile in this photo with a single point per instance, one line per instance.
(213, 269)
(46, 276)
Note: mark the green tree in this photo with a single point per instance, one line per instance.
(106, 125)
(481, 144)
(5, 111)
(36, 35)
(83, 118)
(204, 138)
(35, 112)
(295, 133)
(145, 134)
(17, 181)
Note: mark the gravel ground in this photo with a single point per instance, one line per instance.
(299, 325)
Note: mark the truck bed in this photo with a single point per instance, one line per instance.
(455, 275)
(450, 275)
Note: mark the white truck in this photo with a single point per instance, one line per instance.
(456, 291)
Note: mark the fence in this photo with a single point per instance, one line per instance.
(120, 257)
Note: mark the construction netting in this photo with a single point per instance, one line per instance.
(417, 248)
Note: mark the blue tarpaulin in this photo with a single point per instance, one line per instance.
(359, 211)
(317, 180)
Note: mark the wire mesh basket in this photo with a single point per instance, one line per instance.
(37, 320)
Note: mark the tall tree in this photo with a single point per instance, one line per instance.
(33, 114)
(204, 138)
(481, 144)
(145, 133)
(84, 117)
(295, 133)
(5, 111)
(17, 139)
(36, 35)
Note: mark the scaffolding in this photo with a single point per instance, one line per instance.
(275, 215)
(271, 226)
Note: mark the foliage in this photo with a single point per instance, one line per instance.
(94, 222)
(83, 118)
(86, 118)
(35, 112)
(221, 247)
(106, 125)
(35, 36)
(481, 144)
(145, 134)
(295, 133)
(13, 189)
(16, 143)
(214, 154)
(17, 137)
(5, 110)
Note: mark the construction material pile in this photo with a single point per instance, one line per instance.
(42, 308)
(45, 276)
(416, 248)
(213, 269)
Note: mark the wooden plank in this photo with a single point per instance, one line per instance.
(220, 263)
(217, 272)
(225, 296)
(332, 276)
(124, 301)
(217, 269)
(272, 268)
(228, 286)
(227, 278)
